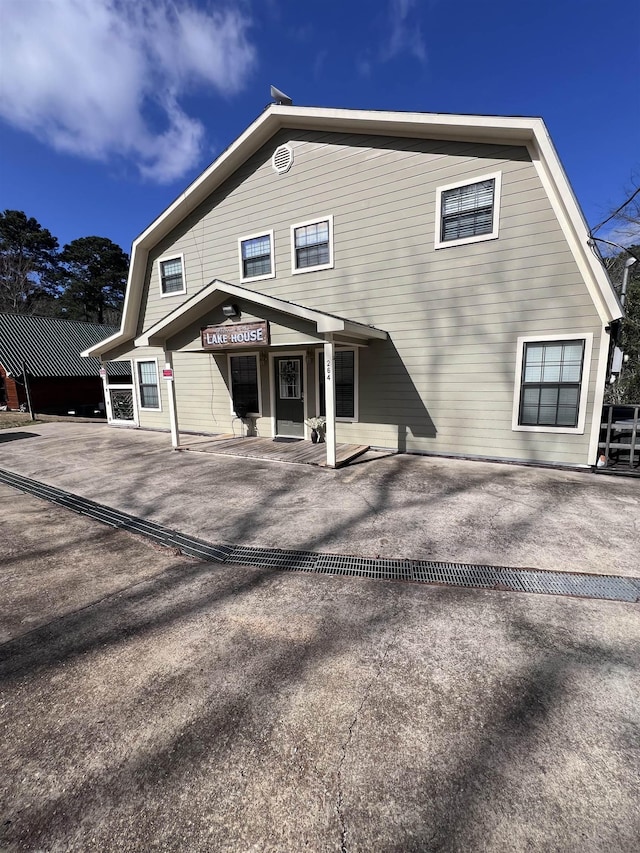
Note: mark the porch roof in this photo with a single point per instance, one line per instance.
(217, 290)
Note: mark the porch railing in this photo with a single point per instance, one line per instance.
(619, 445)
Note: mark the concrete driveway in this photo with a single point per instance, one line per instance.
(396, 506)
(151, 702)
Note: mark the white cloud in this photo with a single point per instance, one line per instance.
(404, 32)
(101, 78)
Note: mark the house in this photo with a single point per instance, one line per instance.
(422, 280)
(47, 351)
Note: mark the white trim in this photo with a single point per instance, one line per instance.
(329, 266)
(598, 397)
(177, 256)
(256, 355)
(273, 390)
(272, 255)
(142, 408)
(587, 337)
(356, 381)
(495, 227)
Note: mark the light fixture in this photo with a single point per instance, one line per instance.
(231, 310)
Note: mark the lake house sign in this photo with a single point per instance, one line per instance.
(235, 336)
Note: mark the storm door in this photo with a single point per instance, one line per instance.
(289, 396)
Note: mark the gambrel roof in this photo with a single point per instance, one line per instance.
(49, 346)
(529, 132)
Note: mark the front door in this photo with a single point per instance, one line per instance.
(289, 396)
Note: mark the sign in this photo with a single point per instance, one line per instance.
(103, 372)
(235, 335)
(167, 373)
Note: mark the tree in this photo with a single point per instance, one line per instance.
(93, 277)
(627, 388)
(624, 231)
(28, 264)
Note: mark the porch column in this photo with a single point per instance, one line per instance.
(330, 399)
(171, 394)
(105, 390)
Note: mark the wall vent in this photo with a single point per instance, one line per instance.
(282, 159)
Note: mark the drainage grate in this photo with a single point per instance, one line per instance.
(608, 587)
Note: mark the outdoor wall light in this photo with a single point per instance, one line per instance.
(231, 310)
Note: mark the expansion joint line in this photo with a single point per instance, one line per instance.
(347, 742)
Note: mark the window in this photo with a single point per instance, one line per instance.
(312, 245)
(148, 384)
(245, 391)
(345, 381)
(551, 383)
(468, 213)
(256, 257)
(172, 276)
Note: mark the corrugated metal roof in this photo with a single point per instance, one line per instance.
(51, 346)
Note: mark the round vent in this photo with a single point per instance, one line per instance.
(282, 159)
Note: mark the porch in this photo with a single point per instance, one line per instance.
(299, 452)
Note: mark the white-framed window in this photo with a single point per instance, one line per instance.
(552, 379)
(312, 245)
(468, 211)
(148, 385)
(171, 274)
(244, 381)
(257, 258)
(345, 376)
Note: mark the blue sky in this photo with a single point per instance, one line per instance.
(109, 108)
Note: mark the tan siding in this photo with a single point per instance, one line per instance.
(454, 314)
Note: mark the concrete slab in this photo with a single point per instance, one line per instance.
(394, 506)
(151, 702)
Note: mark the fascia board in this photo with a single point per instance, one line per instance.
(573, 224)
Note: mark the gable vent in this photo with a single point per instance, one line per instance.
(282, 159)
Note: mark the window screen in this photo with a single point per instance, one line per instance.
(148, 385)
(551, 378)
(312, 245)
(244, 382)
(256, 256)
(171, 275)
(467, 211)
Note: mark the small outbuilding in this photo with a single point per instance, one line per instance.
(40, 356)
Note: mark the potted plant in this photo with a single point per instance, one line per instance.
(317, 428)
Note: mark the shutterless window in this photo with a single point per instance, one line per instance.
(148, 385)
(551, 379)
(312, 245)
(467, 211)
(256, 256)
(244, 382)
(171, 276)
(344, 378)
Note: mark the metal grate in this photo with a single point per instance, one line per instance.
(607, 587)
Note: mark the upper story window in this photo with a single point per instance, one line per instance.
(256, 257)
(172, 275)
(551, 383)
(312, 245)
(468, 212)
